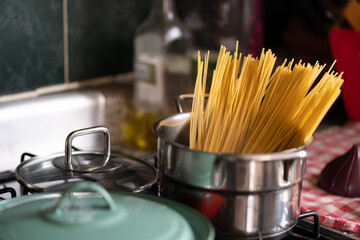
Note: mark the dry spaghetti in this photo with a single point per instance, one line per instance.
(252, 108)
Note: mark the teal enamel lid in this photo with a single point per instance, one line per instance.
(87, 211)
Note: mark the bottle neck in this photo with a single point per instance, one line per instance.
(164, 7)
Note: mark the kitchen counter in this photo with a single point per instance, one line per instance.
(335, 212)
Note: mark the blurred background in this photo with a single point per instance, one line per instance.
(52, 46)
(101, 34)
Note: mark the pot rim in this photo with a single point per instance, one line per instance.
(273, 156)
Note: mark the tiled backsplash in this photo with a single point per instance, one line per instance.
(31, 44)
(100, 40)
(101, 36)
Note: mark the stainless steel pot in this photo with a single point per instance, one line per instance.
(250, 196)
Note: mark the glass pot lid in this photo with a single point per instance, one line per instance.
(87, 211)
(112, 171)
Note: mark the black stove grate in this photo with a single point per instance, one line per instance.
(313, 231)
(303, 230)
(6, 190)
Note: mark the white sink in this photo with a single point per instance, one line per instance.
(41, 125)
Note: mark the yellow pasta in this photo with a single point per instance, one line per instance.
(252, 108)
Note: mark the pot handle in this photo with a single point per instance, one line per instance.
(68, 195)
(180, 98)
(86, 131)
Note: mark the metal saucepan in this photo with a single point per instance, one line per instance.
(87, 211)
(114, 171)
(250, 196)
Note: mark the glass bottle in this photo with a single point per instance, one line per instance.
(162, 69)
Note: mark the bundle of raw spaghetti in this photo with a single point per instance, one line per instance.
(259, 109)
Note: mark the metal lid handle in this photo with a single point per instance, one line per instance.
(86, 131)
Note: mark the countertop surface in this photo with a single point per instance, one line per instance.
(335, 211)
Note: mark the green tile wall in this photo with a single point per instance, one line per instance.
(31, 44)
(32, 48)
(101, 36)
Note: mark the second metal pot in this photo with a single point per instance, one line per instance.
(111, 170)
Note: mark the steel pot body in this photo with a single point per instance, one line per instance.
(87, 211)
(248, 195)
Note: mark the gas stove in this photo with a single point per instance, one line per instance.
(307, 227)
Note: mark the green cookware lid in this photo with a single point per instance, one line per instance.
(87, 211)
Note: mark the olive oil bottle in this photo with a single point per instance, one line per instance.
(162, 70)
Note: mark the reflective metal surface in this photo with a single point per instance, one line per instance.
(39, 174)
(86, 131)
(244, 215)
(112, 171)
(248, 195)
(96, 165)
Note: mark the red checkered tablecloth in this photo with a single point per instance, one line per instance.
(335, 211)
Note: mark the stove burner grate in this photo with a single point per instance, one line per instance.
(7, 190)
